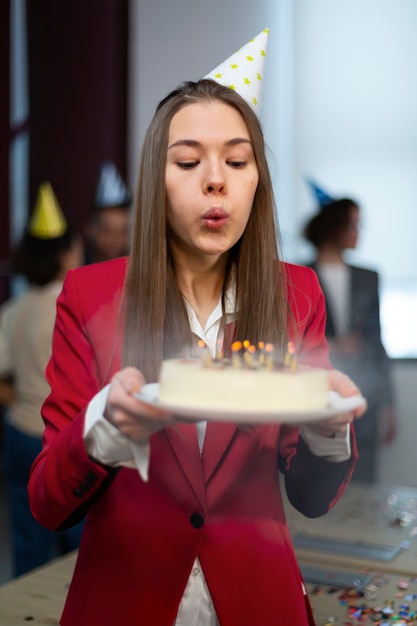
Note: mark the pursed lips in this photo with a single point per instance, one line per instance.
(215, 218)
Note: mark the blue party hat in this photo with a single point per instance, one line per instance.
(111, 190)
(321, 196)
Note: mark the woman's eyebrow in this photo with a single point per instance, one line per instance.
(193, 143)
(184, 142)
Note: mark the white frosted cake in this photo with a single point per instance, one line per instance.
(221, 385)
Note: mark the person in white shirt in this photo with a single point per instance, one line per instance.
(353, 325)
(48, 248)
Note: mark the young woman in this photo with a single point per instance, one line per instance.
(198, 535)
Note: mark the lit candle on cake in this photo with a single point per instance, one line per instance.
(269, 362)
(262, 358)
(252, 352)
(219, 350)
(236, 347)
(248, 355)
(206, 357)
(290, 359)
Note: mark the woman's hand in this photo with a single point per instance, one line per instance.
(345, 387)
(134, 418)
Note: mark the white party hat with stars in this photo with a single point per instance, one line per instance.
(47, 220)
(243, 70)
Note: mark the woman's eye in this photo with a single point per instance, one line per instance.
(236, 164)
(187, 165)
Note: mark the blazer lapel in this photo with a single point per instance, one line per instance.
(199, 468)
(216, 442)
(183, 439)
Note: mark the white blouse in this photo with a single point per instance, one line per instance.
(335, 278)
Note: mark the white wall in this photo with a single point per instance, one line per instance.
(356, 120)
(356, 133)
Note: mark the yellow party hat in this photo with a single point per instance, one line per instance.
(243, 70)
(47, 220)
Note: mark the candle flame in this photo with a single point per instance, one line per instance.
(291, 347)
(290, 359)
(219, 349)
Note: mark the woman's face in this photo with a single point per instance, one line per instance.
(211, 179)
(351, 234)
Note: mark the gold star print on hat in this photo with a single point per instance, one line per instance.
(243, 71)
(47, 220)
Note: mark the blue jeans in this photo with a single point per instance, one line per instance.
(32, 544)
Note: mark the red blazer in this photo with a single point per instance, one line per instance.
(140, 539)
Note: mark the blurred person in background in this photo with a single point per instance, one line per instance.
(353, 324)
(107, 234)
(47, 250)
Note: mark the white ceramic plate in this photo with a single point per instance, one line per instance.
(336, 404)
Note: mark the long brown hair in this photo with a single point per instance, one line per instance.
(156, 320)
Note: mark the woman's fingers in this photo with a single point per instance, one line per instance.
(133, 417)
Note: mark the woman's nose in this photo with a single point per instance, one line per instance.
(214, 187)
(215, 181)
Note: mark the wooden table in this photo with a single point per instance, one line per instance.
(367, 515)
(38, 597)
(336, 607)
